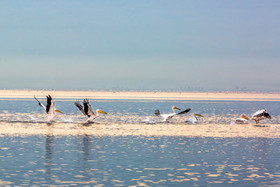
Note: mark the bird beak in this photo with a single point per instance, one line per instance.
(244, 117)
(59, 111)
(198, 115)
(100, 111)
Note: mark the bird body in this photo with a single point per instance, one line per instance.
(167, 117)
(241, 120)
(86, 109)
(260, 115)
(49, 108)
(193, 119)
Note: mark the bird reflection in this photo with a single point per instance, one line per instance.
(86, 146)
(85, 167)
(49, 155)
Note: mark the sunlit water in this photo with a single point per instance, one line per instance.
(86, 160)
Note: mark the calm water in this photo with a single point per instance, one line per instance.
(138, 160)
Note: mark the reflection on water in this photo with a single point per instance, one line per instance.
(48, 156)
(138, 161)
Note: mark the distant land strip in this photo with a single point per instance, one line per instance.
(146, 95)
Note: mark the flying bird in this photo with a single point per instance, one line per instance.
(193, 119)
(49, 108)
(260, 115)
(86, 109)
(167, 117)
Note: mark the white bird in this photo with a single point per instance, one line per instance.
(147, 120)
(49, 108)
(193, 119)
(167, 117)
(86, 109)
(241, 120)
(260, 115)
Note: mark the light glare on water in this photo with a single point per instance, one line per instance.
(138, 160)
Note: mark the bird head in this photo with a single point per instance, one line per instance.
(157, 112)
(174, 107)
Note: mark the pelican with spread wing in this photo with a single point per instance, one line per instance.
(86, 109)
(167, 117)
(260, 115)
(49, 108)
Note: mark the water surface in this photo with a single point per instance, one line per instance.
(82, 159)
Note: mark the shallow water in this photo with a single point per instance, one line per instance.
(29, 158)
(135, 111)
(137, 160)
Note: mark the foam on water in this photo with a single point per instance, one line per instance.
(24, 124)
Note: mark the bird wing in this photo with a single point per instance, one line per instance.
(184, 112)
(40, 104)
(261, 113)
(267, 115)
(90, 111)
(167, 117)
(50, 105)
(87, 108)
(80, 107)
(258, 113)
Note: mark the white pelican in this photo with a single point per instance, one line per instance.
(147, 120)
(241, 120)
(167, 117)
(193, 119)
(260, 114)
(49, 108)
(87, 110)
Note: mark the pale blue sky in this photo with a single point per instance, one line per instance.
(148, 45)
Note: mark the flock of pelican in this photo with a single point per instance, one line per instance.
(87, 110)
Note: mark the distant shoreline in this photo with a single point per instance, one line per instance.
(147, 95)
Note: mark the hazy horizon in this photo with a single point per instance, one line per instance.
(143, 45)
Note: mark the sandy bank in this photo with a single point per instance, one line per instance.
(142, 95)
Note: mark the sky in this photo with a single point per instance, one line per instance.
(177, 45)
